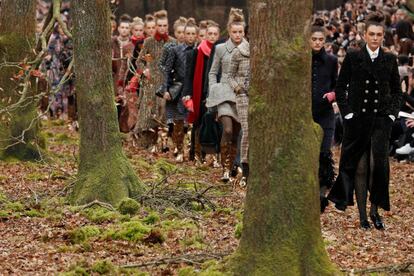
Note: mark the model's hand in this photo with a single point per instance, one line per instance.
(167, 96)
(410, 123)
(349, 116)
(330, 96)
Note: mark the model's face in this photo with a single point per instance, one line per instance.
(213, 34)
(202, 33)
(190, 35)
(138, 30)
(162, 26)
(113, 25)
(236, 33)
(150, 28)
(123, 29)
(374, 36)
(317, 41)
(179, 34)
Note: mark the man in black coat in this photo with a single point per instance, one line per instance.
(368, 94)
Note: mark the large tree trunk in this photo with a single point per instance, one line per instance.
(281, 233)
(18, 127)
(104, 173)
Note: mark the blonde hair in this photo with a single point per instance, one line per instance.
(137, 21)
(149, 18)
(191, 23)
(211, 23)
(236, 17)
(182, 21)
(203, 24)
(161, 15)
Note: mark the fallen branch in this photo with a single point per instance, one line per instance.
(399, 268)
(192, 259)
(99, 203)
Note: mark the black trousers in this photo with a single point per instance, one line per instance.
(327, 122)
(363, 134)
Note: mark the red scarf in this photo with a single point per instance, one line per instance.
(135, 39)
(204, 49)
(159, 37)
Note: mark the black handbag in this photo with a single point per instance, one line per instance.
(175, 90)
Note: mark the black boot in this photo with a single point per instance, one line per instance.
(326, 177)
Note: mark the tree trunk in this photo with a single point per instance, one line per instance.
(18, 128)
(104, 173)
(281, 232)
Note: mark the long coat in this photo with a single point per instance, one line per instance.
(374, 93)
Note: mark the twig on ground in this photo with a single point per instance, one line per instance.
(398, 268)
(99, 203)
(193, 259)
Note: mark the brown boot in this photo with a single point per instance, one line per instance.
(226, 150)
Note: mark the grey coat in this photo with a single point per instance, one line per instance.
(220, 92)
(240, 67)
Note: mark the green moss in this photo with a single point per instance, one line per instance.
(82, 234)
(4, 214)
(3, 198)
(164, 167)
(129, 206)
(36, 176)
(104, 267)
(194, 241)
(76, 271)
(100, 215)
(65, 139)
(187, 271)
(238, 231)
(171, 213)
(152, 218)
(34, 213)
(176, 224)
(133, 231)
(14, 206)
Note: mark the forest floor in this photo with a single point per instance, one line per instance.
(187, 218)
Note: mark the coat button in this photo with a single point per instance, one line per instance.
(375, 101)
(367, 81)
(375, 111)
(376, 91)
(365, 101)
(366, 91)
(363, 110)
(376, 82)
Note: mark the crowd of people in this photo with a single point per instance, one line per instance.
(196, 82)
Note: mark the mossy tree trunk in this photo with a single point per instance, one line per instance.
(18, 129)
(281, 227)
(105, 173)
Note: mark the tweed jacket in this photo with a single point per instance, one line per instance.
(220, 92)
(240, 67)
(360, 77)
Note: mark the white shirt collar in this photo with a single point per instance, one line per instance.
(373, 54)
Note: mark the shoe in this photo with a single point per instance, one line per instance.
(405, 150)
(324, 203)
(226, 176)
(377, 221)
(365, 225)
(243, 182)
(180, 158)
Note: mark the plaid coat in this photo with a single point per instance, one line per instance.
(239, 74)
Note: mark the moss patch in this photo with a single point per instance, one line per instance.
(133, 231)
(129, 206)
(100, 215)
(82, 234)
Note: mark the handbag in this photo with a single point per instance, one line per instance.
(175, 90)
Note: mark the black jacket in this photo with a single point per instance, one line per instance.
(364, 85)
(324, 74)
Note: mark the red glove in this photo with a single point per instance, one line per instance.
(330, 96)
(189, 105)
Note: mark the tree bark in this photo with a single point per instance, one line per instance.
(281, 226)
(105, 173)
(18, 127)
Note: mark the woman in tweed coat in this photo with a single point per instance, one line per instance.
(221, 95)
(150, 114)
(239, 81)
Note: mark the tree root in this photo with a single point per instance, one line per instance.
(99, 203)
(191, 259)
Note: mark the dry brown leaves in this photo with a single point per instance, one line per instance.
(39, 245)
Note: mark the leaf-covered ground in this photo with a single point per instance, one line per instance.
(41, 234)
